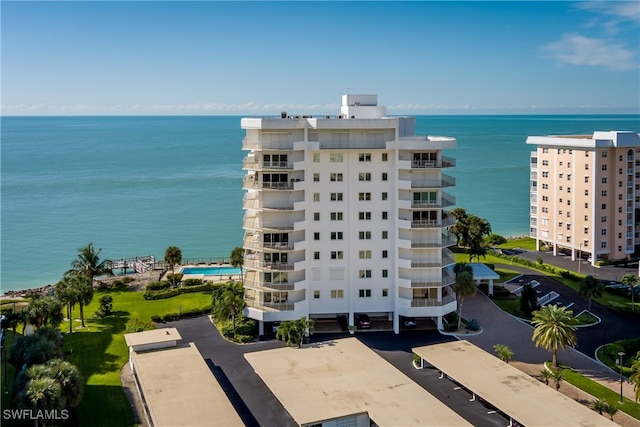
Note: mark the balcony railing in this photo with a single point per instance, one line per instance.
(447, 162)
(277, 165)
(432, 302)
(271, 266)
(426, 223)
(256, 284)
(270, 306)
(259, 204)
(251, 243)
(446, 181)
(445, 281)
(256, 224)
(446, 241)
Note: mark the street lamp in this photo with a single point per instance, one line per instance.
(620, 354)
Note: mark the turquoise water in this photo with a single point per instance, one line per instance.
(136, 185)
(211, 271)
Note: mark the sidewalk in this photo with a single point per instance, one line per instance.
(501, 328)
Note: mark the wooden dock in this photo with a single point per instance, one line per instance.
(137, 264)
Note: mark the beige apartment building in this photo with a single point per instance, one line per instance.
(585, 191)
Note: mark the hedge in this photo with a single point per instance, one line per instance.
(181, 315)
(169, 293)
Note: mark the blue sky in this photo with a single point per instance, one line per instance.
(257, 58)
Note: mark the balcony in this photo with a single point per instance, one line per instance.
(257, 264)
(446, 201)
(427, 223)
(269, 286)
(277, 165)
(446, 181)
(253, 223)
(446, 162)
(438, 283)
(264, 145)
(446, 241)
(270, 306)
(251, 243)
(257, 204)
(432, 302)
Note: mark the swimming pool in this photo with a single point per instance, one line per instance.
(212, 271)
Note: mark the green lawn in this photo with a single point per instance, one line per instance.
(99, 351)
(527, 243)
(601, 392)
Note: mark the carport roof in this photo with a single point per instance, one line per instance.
(343, 377)
(515, 393)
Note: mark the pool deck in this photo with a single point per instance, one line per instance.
(207, 278)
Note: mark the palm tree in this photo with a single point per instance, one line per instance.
(68, 293)
(463, 287)
(558, 376)
(635, 377)
(236, 259)
(591, 287)
(228, 302)
(631, 280)
(598, 405)
(554, 328)
(546, 375)
(610, 410)
(43, 311)
(88, 264)
(172, 256)
(69, 378)
(44, 393)
(504, 352)
(85, 294)
(295, 331)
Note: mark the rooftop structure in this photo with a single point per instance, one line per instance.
(525, 399)
(343, 380)
(585, 190)
(346, 215)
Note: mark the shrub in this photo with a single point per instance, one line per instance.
(417, 360)
(137, 325)
(192, 282)
(174, 278)
(495, 239)
(501, 292)
(473, 325)
(168, 293)
(157, 286)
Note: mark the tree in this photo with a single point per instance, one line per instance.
(610, 410)
(554, 329)
(631, 280)
(460, 229)
(478, 230)
(44, 394)
(68, 293)
(598, 405)
(228, 302)
(236, 259)
(463, 287)
(88, 264)
(43, 311)
(172, 256)
(106, 305)
(590, 287)
(295, 331)
(635, 377)
(69, 378)
(85, 295)
(528, 300)
(504, 352)
(36, 348)
(558, 376)
(546, 375)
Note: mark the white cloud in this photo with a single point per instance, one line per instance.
(575, 49)
(612, 13)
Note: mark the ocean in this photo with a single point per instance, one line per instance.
(135, 185)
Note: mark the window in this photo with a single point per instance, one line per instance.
(364, 215)
(364, 293)
(568, 177)
(586, 217)
(568, 226)
(364, 157)
(337, 293)
(560, 163)
(619, 248)
(364, 176)
(385, 157)
(385, 292)
(604, 206)
(316, 294)
(316, 177)
(568, 164)
(336, 197)
(316, 255)
(603, 193)
(336, 177)
(336, 255)
(619, 171)
(545, 186)
(385, 273)
(619, 222)
(568, 202)
(385, 215)
(586, 192)
(604, 167)
(385, 254)
(603, 244)
(545, 150)
(316, 197)
(365, 274)
(385, 234)
(336, 216)
(603, 219)
(620, 196)
(545, 163)
(586, 205)
(384, 196)
(604, 154)
(545, 198)
(336, 235)
(560, 188)
(316, 236)
(364, 235)
(620, 184)
(586, 179)
(364, 255)
(384, 176)
(604, 180)
(568, 189)
(316, 157)
(364, 196)
(620, 210)
(335, 157)
(545, 174)
(586, 231)
(603, 232)
(316, 216)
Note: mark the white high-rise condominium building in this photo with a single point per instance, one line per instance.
(347, 215)
(585, 194)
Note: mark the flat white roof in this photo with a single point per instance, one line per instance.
(153, 336)
(525, 399)
(180, 390)
(337, 378)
